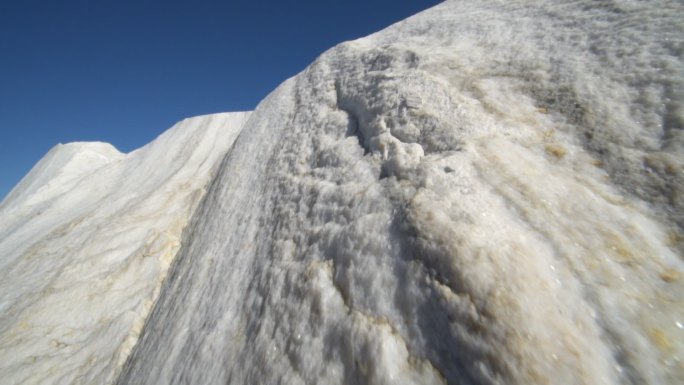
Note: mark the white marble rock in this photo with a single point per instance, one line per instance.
(86, 239)
(489, 192)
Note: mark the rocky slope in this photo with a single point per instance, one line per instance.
(86, 240)
(485, 193)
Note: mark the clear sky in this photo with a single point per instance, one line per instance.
(123, 71)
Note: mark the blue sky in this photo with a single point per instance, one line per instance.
(124, 71)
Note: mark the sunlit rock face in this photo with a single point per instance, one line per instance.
(86, 240)
(490, 192)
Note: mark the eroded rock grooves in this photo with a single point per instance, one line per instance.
(484, 193)
(489, 192)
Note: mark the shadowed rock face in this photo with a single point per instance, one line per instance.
(485, 193)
